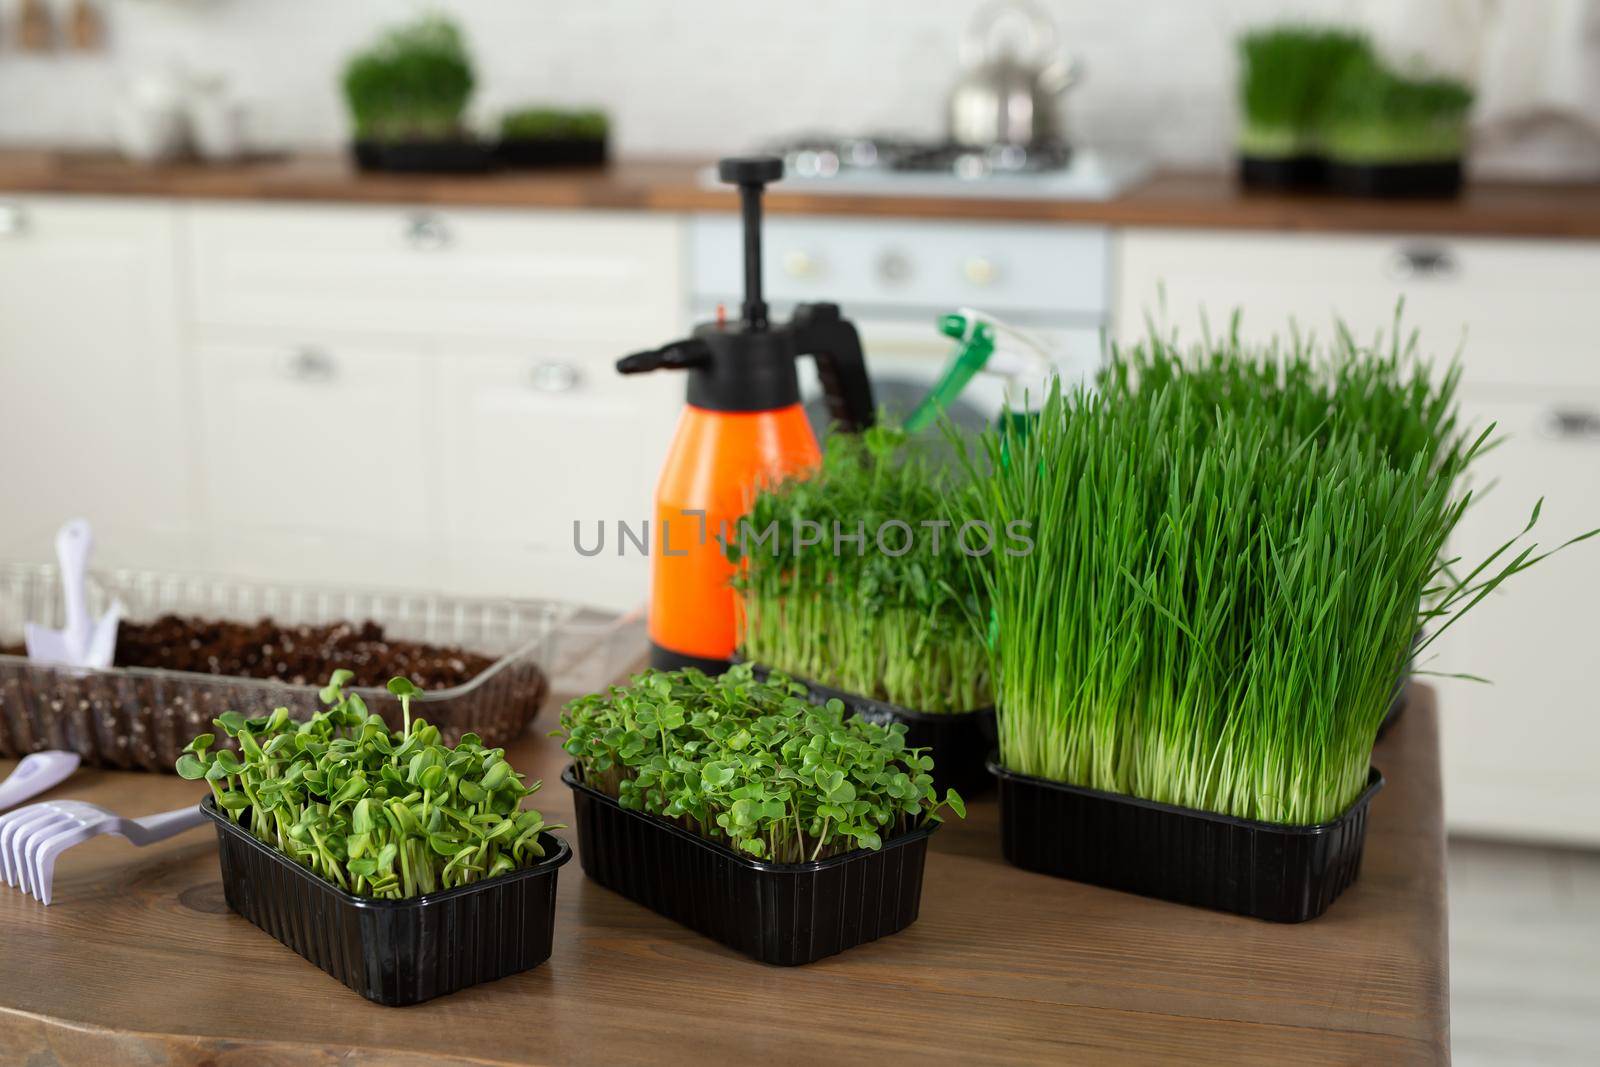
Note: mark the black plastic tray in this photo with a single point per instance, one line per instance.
(534, 152)
(1396, 180)
(424, 157)
(959, 741)
(1283, 172)
(784, 914)
(1280, 873)
(394, 952)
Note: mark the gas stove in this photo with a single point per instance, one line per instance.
(903, 166)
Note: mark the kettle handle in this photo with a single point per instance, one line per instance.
(820, 331)
(978, 45)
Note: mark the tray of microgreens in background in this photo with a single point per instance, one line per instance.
(403, 867)
(782, 829)
(1321, 109)
(892, 626)
(1236, 549)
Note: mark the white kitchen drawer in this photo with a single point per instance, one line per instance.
(1520, 755)
(468, 272)
(535, 437)
(1526, 309)
(858, 263)
(320, 459)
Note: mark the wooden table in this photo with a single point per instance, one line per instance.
(139, 960)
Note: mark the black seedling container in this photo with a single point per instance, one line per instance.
(781, 913)
(456, 156)
(1281, 873)
(1281, 172)
(959, 741)
(394, 952)
(1396, 180)
(534, 152)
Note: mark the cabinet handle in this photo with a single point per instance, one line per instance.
(979, 271)
(13, 220)
(798, 264)
(553, 376)
(1423, 263)
(894, 267)
(427, 232)
(1571, 424)
(312, 365)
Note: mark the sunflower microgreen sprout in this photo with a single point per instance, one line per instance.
(378, 813)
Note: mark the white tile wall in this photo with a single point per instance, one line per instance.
(703, 76)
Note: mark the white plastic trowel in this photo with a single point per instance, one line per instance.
(85, 641)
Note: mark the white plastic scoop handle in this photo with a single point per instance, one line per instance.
(84, 642)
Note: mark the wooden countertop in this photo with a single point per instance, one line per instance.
(139, 960)
(1177, 200)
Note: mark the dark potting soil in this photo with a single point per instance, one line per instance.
(299, 655)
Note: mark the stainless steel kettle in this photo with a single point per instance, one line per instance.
(1007, 96)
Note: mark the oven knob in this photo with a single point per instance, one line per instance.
(894, 267)
(798, 264)
(978, 271)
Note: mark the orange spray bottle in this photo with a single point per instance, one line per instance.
(743, 427)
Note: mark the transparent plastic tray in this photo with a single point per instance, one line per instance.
(140, 718)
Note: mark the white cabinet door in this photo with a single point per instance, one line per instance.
(1522, 756)
(1524, 309)
(421, 271)
(320, 460)
(91, 381)
(539, 436)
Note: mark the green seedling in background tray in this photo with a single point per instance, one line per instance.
(377, 813)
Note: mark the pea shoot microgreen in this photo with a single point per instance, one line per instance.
(901, 625)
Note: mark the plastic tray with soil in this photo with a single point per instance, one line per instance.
(192, 648)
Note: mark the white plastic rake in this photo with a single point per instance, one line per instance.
(31, 838)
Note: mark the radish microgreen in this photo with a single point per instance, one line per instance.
(752, 764)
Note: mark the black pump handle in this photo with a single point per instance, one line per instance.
(820, 331)
(751, 174)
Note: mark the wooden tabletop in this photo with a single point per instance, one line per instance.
(1212, 200)
(139, 960)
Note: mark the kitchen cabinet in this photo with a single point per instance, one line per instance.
(1524, 310)
(424, 271)
(93, 388)
(320, 458)
(537, 436)
(428, 397)
(1518, 754)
